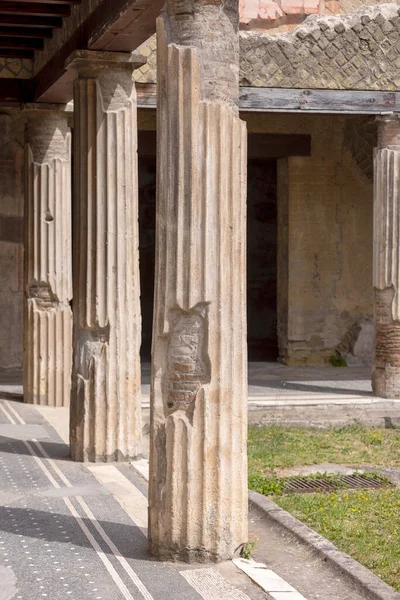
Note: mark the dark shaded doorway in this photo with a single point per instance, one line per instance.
(261, 246)
(262, 259)
(147, 236)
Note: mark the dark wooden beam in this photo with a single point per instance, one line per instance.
(30, 21)
(21, 43)
(35, 8)
(318, 101)
(26, 32)
(48, 1)
(254, 99)
(15, 53)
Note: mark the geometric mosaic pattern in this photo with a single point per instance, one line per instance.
(14, 68)
(355, 52)
(148, 72)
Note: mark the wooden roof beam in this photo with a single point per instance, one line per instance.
(15, 53)
(26, 32)
(30, 21)
(21, 43)
(34, 8)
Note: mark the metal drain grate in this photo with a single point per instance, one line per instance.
(304, 485)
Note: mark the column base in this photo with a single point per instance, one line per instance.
(187, 555)
(85, 457)
(386, 382)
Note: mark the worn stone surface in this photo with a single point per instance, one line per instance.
(358, 52)
(386, 368)
(48, 259)
(105, 399)
(11, 240)
(198, 471)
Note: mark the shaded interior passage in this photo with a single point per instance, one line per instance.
(261, 249)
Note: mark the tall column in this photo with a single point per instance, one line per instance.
(386, 368)
(47, 273)
(198, 464)
(105, 416)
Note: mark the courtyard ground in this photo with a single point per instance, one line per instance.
(70, 530)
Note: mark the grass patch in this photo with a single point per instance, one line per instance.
(365, 525)
(273, 448)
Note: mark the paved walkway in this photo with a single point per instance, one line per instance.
(73, 531)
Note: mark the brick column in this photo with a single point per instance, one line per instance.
(198, 463)
(105, 399)
(386, 368)
(48, 277)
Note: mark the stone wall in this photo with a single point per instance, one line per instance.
(325, 247)
(355, 52)
(325, 237)
(11, 241)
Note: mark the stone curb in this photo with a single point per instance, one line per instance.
(371, 585)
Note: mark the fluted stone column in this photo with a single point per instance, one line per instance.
(198, 464)
(48, 276)
(105, 400)
(386, 368)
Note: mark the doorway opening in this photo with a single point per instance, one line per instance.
(264, 150)
(262, 259)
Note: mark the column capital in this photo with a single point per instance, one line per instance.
(48, 130)
(389, 131)
(33, 111)
(89, 63)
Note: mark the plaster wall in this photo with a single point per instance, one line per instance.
(11, 242)
(324, 239)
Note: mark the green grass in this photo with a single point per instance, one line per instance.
(273, 448)
(364, 524)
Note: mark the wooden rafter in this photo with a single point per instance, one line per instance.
(35, 8)
(257, 99)
(26, 24)
(9, 20)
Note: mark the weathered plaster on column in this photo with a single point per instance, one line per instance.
(386, 369)
(48, 277)
(105, 399)
(198, 464)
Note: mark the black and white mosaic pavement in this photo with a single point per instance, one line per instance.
(67, 531)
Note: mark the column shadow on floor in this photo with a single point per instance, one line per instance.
(55, 450)
(38, 524)
(284, 386)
